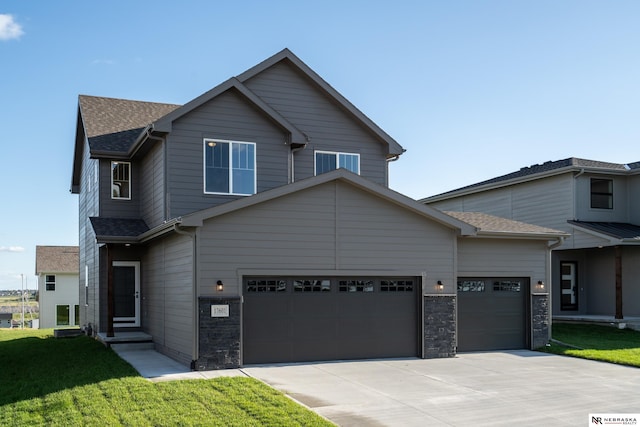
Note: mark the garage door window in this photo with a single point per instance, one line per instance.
(319, 285)
(266, 286)
(470, 285)
(355, 286)
(396, 286)
(507, 286)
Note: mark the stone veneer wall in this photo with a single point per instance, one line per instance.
(439, 326)
(219, 337)
(539, 320)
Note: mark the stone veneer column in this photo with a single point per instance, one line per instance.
(439, 326)
(539, 320)
(218, 337)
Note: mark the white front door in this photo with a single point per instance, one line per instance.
(126, 294)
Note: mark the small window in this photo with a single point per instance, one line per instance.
(266, 286)
(62, 315)
(121, 180)
(229, 167)
(507, 286)
(470, 286)
(601, 193)
(50, 282)
(396, 286)
(311, 285)
(327, 161)
(355, 286)
(77, 314)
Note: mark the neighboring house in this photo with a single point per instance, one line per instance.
(58, 278)
(596, 270)
(254, 224)
(5, 319)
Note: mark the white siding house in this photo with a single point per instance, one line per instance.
(58, 277)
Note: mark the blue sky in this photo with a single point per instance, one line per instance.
(471, 89)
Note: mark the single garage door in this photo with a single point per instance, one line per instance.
(492, 313)
(293, 319)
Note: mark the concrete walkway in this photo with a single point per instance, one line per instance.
(511, 388)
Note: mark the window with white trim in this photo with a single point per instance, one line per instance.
(229, 167)
(327, 161)
(121, 180)
(50, 282)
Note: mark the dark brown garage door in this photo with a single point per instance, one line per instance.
(328, 318)
(492, 313)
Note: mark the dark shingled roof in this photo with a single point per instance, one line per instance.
(618, 230)
(114, 124)
(118, 227)
(57, 259)
(550, 166)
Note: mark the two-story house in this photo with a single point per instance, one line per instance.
(254, 224)
(596, 269)
(57, 271)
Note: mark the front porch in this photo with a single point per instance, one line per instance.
(628, 322)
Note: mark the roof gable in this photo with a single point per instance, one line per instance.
(57, 259)
(286, 55)
(196, 219)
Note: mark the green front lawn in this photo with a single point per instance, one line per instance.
(595, 342)
(77, 381)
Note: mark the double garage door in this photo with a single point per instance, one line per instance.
(492, 313)
(302, 319)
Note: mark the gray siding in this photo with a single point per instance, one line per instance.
(634, 199)
(152, 186)
(88, 205)
(547, 202)
(226, 117)
(329, 127)
(168, 310)
(502, 257)
(330, 227)
(110, 208)
(620, 211)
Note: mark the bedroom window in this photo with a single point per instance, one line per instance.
(229, 167)
(601, 193)
(327, 161)
(121, 180)
(50, 282)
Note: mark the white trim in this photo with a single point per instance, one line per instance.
(337, 154)
(130, 322)
(230, 142)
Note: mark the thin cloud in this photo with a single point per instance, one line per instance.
(11, 249)
(9, 28)
(103, 62)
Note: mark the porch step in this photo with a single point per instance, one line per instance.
(124, 338)
(137, 346)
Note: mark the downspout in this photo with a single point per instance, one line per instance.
(195, 348)
(148, 135)
(549, 278)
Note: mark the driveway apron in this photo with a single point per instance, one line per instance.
(522, 388)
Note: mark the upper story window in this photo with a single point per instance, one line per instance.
(121, 180)
(50, 282)
(229, 167)
(327, 161)
(601, 193)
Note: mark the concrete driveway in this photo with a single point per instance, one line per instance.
(513, 388)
